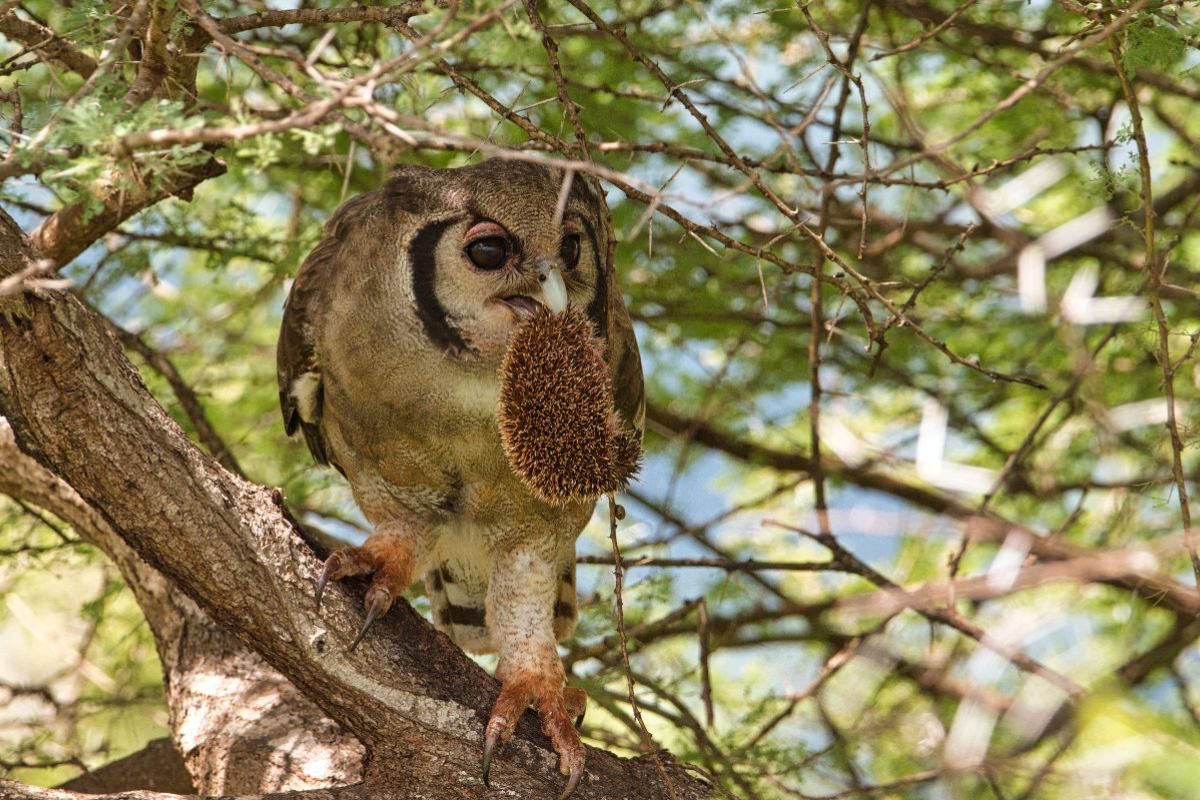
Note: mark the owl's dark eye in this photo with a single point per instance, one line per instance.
(489, 252)
(568, 251)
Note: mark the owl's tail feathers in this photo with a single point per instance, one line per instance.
(462, 614)
(565, 613)
(458, 612)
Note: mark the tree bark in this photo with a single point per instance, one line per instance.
(413, 699)
(241, 726)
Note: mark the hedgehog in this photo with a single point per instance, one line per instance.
(558, 423)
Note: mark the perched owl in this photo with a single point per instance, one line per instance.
(389, 357)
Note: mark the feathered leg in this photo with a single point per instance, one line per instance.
(520, 616)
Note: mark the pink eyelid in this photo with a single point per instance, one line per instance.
(483, 230)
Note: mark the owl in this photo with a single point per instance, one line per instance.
(388, 363)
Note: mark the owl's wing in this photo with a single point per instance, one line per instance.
(298, 364)
(624, 361)
(298, 369)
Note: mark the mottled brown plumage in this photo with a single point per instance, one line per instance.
(389, 366)
(559, 427)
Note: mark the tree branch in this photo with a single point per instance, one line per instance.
(156, 767)
(323, 16)
(73, 228)
(988, 527)
(257, 733)
(48, 43)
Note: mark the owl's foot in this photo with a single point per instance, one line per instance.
(557, 707)
(575, 701)
(385, 555)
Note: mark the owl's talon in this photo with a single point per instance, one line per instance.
(573, 780)
(321, 582)
(342, 564)
(497, 727)
(557, 718)
(386, 556)
(575, 704)
(555, 706)
(378, 602)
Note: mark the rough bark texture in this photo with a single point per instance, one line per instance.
(415, 701)
(240, 725)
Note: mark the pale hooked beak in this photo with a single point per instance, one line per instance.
(554, 288)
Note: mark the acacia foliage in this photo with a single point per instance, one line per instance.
(823, 212)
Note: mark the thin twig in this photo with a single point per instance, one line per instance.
(1154, 279)
(618, 585)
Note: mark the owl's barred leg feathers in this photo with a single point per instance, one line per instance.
(520, 615)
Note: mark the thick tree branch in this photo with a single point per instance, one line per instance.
(45, 41)
(156, 767)
(10, 790)
(73, 228)
(256, 733)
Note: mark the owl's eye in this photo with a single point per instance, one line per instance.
(568, 251)
(489, 252)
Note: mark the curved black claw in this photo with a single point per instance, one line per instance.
(378, 605)
(573, 779)
(321, 584)
(489, 749)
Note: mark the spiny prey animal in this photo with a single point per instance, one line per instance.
(389, 365)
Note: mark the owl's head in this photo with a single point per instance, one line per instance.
(439, 268)
(495, 242)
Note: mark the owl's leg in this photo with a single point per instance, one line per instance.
(388, 554)
(520, 617)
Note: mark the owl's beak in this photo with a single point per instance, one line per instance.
(554, 288)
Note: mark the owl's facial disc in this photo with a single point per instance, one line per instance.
(489, 249)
